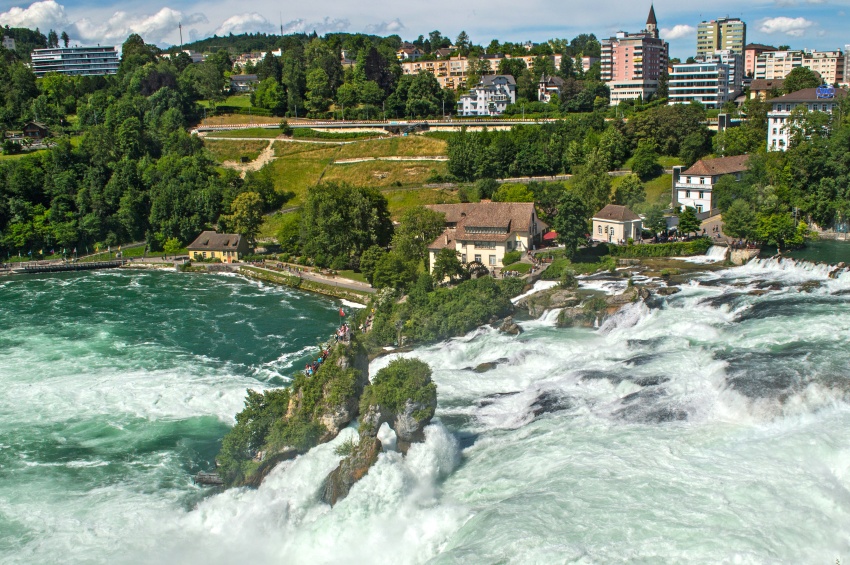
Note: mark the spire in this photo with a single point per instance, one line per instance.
(651, 22)
(651, 19)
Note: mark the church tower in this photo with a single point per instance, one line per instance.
(652, 23)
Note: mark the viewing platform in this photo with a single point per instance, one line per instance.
(30, 268)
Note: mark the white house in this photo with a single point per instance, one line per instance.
(549, 86)
(408, 52)
(692, 187)
(489, 98)
(485, 231)
(616, 224)
(821, 99)
(243, 83)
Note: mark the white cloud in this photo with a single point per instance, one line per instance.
(327, 25)
(154, 28)
(677, 31)
(795, 27)
(245, 23)
(43, 15)
(386, 28)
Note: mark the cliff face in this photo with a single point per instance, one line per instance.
(401, 395)
(280, 424)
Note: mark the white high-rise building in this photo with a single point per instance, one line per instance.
(77, 61)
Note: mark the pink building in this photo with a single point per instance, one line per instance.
(751, 54)
(632, 63)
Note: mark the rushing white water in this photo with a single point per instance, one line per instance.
(538, 286)
(714, 254)
(706, 427)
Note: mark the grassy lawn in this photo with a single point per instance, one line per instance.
(271, 225)
(410, 146)
(308, 133)
(665, 161)
(348, 274)
(19, 155)
(285, 148)
(247, 132)
(237, 100)
(401, 200)
(232, 149)
(521, 268)
(386, 173)
(297, 174)
(658, 191)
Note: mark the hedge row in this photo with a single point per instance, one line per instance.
(677, 249)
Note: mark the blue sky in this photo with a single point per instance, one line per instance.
(814, 24)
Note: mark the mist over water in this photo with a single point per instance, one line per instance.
(709, 426)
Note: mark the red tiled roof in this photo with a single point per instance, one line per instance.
(507, 217)
(719, 166)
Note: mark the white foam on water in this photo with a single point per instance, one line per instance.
(350, 304)
(538, 286)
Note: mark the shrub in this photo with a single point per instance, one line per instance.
(512, 257)
(676, 249)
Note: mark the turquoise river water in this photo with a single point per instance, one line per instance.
(710, 426)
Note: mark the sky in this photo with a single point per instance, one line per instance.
(812, 24)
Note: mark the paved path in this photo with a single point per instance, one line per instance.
(323, 279)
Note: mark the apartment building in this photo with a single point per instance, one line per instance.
(751, 53)
(707, 83)
(76, 61)
(779, 120)
(489, 98)
(721, 34)
(451, 72)
(632, 63)
(772, 65)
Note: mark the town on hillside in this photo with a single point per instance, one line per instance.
(377, 159)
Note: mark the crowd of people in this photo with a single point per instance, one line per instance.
(342, 334)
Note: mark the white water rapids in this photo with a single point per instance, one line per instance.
(706, 427)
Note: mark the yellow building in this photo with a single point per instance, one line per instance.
(227, 247)
(616, 224)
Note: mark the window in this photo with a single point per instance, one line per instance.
(600, 229)
(788, 107)
(492, 260)
(688, 194)
(478, 257)
(463, 258)
(823, 107)
(701, 194)
(774, 131)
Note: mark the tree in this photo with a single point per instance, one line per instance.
(462, 42)
(655, 220)
(418, 227)
(65, 38)
(513, 193)
(270, 94)
(318, 92)
(571, 222)
(247, 215)
(739, 219)
(447, 265)
(727, 190)
(688, 222)
(645, 161)
(695, 146)
(630, 191)
(287, 233)
(800, 78)
(394, 271)
(369, 260)
(339, 222)
(592, 183)
(172, 246)
(52, 39)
